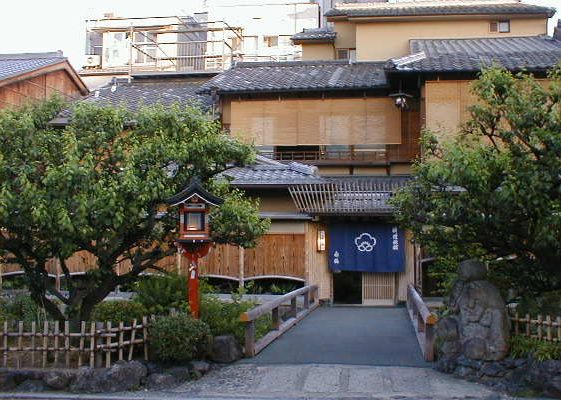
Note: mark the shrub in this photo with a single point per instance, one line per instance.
(179, 337)
(548, 303)
(223, 318)
(540, 350)
(23, 308)
(160, 293)
(118, 310)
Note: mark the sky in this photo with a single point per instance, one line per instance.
(40, 25)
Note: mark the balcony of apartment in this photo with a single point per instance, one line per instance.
(344, 155)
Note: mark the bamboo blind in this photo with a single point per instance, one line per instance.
(317, 122)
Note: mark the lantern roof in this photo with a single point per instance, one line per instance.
(195, 188)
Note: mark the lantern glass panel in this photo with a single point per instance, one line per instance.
(193, 221)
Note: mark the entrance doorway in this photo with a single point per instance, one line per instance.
(347, 287)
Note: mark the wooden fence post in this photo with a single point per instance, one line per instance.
(81, 348)
(133, 334)
(45, 343)
(67, 343)
(108, 345)
(145, 334)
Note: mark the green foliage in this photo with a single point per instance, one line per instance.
(237, 221)
(223, 318)
(179, 337)
(98, 185)
(160, 293)
(493, 192)
(540, 350)
(22, 308)
(119, 311)
(548, 303)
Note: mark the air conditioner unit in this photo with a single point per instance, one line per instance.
(92, 60)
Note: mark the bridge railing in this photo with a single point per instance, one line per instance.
(294, 315)
(424, 322)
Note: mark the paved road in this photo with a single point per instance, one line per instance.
(311, 382)
(348, 335)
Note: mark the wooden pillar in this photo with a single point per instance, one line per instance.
(241, 263)
(178, 260)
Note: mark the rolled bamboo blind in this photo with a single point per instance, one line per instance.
(317, 122)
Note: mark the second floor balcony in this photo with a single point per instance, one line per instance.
(344, 155)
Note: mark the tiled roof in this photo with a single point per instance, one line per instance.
(272, 173)
(457, 55)
(315, 35)
(442, 7)
(16, 64)
(298, 76)
(144, 93)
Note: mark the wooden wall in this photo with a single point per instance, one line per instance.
(38, 88)
(317, 270)
(277, 254)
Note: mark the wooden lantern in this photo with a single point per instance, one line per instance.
(193, 238)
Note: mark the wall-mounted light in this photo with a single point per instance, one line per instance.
(400, 100)
(321, 240)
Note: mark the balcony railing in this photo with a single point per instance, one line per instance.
(392, 153)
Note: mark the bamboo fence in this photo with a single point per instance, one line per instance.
(55, 344)
(543, 327)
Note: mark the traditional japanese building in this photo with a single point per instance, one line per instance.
(340, 131)
(28, 77)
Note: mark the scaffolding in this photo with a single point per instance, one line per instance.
(165, 44)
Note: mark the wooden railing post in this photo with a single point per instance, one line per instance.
(429, 342)
(250, 339)
(276, 318)
(306, 300)
(293, 308)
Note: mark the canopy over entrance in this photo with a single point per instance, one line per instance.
(365, 196)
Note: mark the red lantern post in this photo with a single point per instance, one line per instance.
(194, 234)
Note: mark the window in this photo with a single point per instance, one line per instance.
(193, 221)
(271, 41)
(250, 43)
(345, 54)
(342, 54)
(499, 26)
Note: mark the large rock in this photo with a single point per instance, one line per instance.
(32, 385)
(225, 349)
(121, 376)
(479, 326)
(546, 377)
(58, 380)
(160, 381)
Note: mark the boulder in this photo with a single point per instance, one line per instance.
(7, 381)
(58, 380)
(225, 349)
(122, 376)
(159, 381)
(32, 385)
(546, 377)
(200, 366)
(180, 374)
(472, 270)
(479, 312)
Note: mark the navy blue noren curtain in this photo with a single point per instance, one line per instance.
(366, 247)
